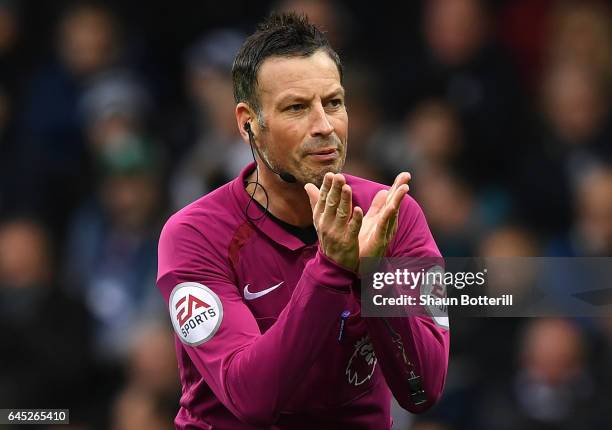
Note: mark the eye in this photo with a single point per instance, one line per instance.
(296, 107)
(335, 103)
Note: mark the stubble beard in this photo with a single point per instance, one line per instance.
(305, 174)
(302, 174)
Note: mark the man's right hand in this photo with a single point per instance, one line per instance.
(336, 222)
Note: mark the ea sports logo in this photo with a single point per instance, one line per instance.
(196, 312)
(192, 303)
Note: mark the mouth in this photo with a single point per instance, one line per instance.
(323, 151)
(325, 154)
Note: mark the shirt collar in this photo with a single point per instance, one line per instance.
(260, 221)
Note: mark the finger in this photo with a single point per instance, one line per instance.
(400, 179)
(389, 211)
(344, 207)
(392, 188)
(333, 199)
(398, 194)
(392, 210)
(401, 191)
(354, 224)
(378, 202)
(313, 194)
(396, 200)
(392, 229)
(391, 226)
(323, 191)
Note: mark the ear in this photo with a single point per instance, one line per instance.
(244, 115)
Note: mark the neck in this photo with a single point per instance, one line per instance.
(287, 202)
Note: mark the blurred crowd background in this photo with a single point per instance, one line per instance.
(115, 114)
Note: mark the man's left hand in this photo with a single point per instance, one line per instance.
(380, 223)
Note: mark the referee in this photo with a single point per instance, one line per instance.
(260, 275)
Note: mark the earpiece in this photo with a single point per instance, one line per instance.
(285, 176)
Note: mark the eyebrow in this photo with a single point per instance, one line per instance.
(337, 92)
(293, 97)
(301, 98)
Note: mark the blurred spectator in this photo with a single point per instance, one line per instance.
(575, 139)
(52, 150)
(331, 16)
(45, 360)
(151, 394)
(575, 104)
(455, 30)
(114, 105)
(152, 363)
(431, 138)
(552, 387)
(88, 39)
(482, 346)
(509, 252)
(541, 32)
(9, 36)
(219, 153)
(137, 409)
(430, 147)
(580, 33)
(9, 26)
(509, 241)
(461, 63)
(112, 246)
(591, 233)
(367, 137)
(434, 135)
(456, 230)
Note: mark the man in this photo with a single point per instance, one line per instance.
(264, 297)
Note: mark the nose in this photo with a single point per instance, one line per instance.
(321, 126)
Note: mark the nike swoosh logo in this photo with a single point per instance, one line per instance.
(251, 296)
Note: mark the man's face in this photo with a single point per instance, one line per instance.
(306, 123)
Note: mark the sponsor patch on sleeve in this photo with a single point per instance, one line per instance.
(196, 312)
(434, 286)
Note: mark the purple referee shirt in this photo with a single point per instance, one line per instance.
(257, 316)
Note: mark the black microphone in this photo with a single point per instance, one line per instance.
(285, 176)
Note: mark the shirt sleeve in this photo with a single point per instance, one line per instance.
(251, 373)
(412, 351)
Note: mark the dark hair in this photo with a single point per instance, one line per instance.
(280, 35)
